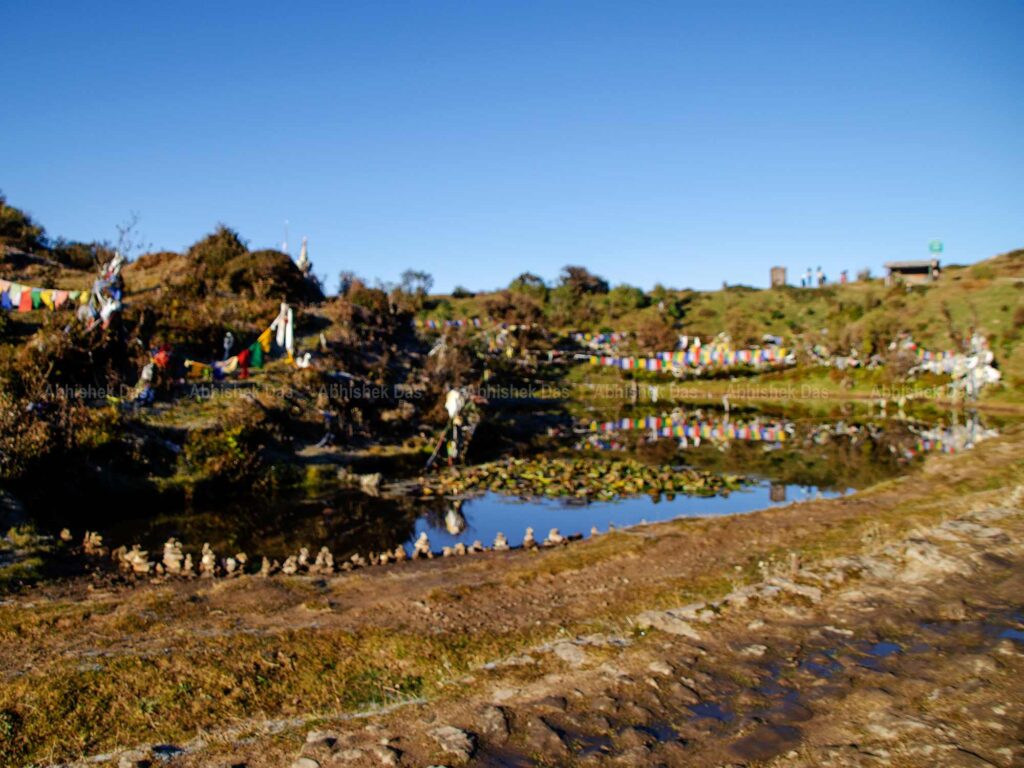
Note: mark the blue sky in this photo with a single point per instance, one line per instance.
(677, 142)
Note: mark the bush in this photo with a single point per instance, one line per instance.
(85, 256)
(580, 281)
(222, 261)
(41, 416)
(655, 334)
(362, 295)
(512, 307)
(18, 230)
(269, 273)
(231, 454)
(530, 284)
(218, 248)
(626, 298)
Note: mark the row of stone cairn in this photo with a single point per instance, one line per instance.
(176, 562)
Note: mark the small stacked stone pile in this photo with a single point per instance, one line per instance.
(175, 562)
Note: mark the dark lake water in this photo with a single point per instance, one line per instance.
(786, 460)
(348, 523)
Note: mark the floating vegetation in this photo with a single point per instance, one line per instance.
(580, 479)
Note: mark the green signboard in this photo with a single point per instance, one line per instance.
(935, 246)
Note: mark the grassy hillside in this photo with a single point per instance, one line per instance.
(865, 316)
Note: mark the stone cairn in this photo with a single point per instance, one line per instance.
(92, 544)
(174, 558)
(175, 562)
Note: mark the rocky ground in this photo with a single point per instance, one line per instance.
(880, 629)
(908, 656)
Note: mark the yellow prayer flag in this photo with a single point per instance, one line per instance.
(264, 339)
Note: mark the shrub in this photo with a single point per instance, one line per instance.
(221, 261)
(232, 453)
(655, 334)
(18, 230)
(513, 307)
(85, 256)
(218, 248)
(362, 295)
(626, 298)
(530, 284)
(581, 281)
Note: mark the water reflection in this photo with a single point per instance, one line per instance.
(351, 523)
(695, 428)
(487, 515)
(841, 453)
(454, 520)
(792, 459)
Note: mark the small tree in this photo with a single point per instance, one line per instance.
(581, 281)
(531, 285)
(346, 279)
(416, 283)
(512, 307)
(129, 240)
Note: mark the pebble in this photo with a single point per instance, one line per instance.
(667, 622)
(1006, 648)
(349, 756)
(305, 762)
(542, 739)
(660, 668)
(494, 722)
(386, 755)
(454, 740)
(135, 759)
(570, 653)
(321, 737)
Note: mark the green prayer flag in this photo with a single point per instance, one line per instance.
(37, 299)
(256, 351)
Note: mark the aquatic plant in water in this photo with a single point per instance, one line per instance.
(579, 478)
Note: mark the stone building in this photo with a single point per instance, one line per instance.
(912, 272)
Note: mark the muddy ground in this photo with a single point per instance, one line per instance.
(884, 628)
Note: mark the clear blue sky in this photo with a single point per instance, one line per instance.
(680, 142)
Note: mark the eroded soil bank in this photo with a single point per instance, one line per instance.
(882, 628)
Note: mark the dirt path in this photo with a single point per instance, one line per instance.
(911, 656)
